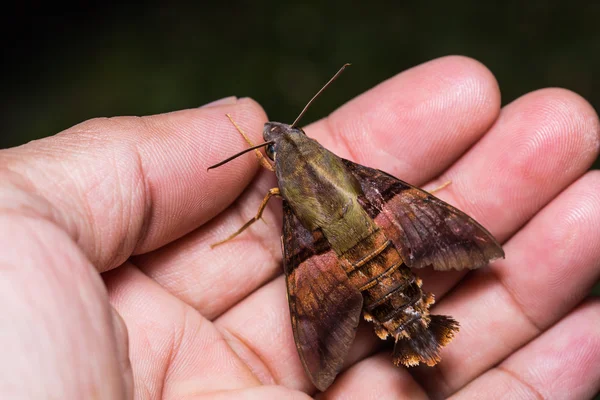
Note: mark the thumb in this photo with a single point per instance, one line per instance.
(58, 338)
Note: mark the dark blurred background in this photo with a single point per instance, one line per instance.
(62, 67)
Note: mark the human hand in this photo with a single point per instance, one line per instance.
(130, 198)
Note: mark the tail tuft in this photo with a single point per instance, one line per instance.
(425, 343)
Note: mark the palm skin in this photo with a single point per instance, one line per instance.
(169, 317)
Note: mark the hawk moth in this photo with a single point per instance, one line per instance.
(352, 236)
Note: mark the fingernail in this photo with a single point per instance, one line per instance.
(221, 102)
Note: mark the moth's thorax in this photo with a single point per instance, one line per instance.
(318, 187)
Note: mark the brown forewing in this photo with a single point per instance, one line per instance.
(424, 229)
(325, 308)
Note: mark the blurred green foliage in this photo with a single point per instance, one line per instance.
(106, 60)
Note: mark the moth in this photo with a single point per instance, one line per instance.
(352, 236)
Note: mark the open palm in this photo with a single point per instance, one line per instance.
(131, 198)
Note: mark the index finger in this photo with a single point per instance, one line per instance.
(128, 185)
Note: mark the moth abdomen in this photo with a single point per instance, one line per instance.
(395, 303)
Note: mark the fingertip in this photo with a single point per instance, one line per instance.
(572, 114)
(223, 101)
(559, 125)
(482, 88)
(206, 136)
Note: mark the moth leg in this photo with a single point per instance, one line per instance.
(261, 159)
(261, 208)
(437, 189)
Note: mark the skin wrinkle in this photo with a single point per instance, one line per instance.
(147, 214)
(230, 335)
(277, 272)
(514, 299)
(117, 200)
(121, 338)
(117, 295)
(155, 349)
(254, 237)
(176, 345)
(95, 247)
(115, 208)
(515, 377)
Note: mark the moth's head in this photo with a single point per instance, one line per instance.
(276, 131)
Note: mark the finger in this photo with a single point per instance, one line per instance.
(174, 351)
(551, 266)
(504, 179)
(519, 188)
(261, 335)
(561, 363)
(56, 327)
(256, 393)
(416, 124)
(438, 107)
(372, 378)
(213, 279)
(128, 185)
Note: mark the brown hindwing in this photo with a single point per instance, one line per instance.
(424, 229)
(325, 308)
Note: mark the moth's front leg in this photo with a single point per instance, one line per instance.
(271, 193)
(442, 186)
(261, 159)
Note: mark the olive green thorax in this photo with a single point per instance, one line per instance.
(318, 187)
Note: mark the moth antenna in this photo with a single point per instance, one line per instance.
(258, 146)
(318, 93)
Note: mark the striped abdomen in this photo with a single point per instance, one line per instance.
(395, 303)
(392, 294)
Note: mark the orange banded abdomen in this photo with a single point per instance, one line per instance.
(392, 295)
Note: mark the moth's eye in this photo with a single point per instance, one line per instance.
(270, 150)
